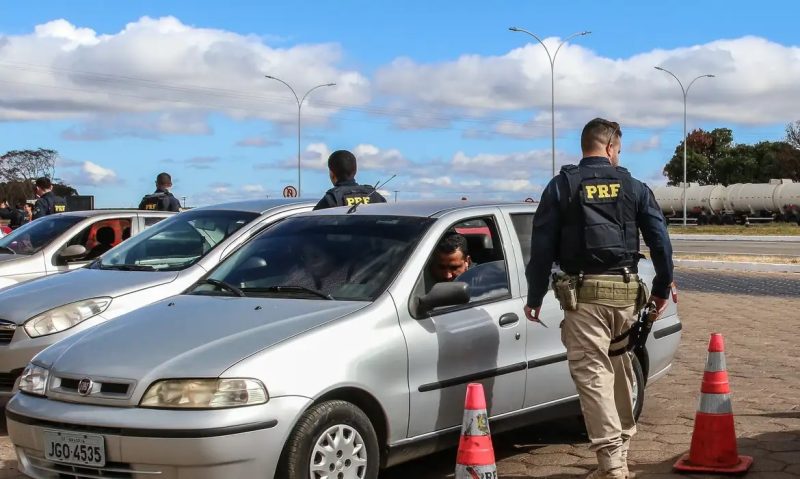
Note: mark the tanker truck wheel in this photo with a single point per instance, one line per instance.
(716, 220)
(702, 220)
(728, 220)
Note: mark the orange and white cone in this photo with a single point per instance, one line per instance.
(475, 458)
(713, 446)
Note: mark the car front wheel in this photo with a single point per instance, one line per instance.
(333, 440)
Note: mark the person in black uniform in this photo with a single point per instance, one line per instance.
(15, 217)
(588, 222)
(48, 203)
(346, 192)
(162, 199)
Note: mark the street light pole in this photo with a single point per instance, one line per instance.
(299, 108)
(552, 59)
(685, 94)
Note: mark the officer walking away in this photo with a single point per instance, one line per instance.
(47, 203)
(588, 222)
(162, 199)
(346, 192)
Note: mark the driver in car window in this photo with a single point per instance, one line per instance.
(450, 258)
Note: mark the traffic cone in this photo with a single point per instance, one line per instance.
(713, 446)
(475, 459)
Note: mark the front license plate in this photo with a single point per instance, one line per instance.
(75, 448)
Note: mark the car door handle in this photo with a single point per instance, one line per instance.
(508, 319)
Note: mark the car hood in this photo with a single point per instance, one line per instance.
(188, 336)
(23, 301)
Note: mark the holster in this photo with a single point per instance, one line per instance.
(566, 291)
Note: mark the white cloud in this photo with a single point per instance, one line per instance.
(86, 173)
(370, 158)
(256, 142)
(141, 125)
(629, 89)
(651, 143)
(161, 64)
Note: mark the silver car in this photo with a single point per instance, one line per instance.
(323, 348)
(67, 241)
(161, 262)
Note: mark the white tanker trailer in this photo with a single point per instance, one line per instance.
(741, 202)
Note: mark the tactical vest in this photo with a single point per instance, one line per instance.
(58, 205)
(598, 228)
(158, 201)
(355, 194)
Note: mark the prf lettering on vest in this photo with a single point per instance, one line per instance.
(610, 190)
(60, 208)
(357, 200)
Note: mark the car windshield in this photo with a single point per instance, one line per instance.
(331, 257)
(177, 242)
(32, 237)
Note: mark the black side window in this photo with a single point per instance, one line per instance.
(523, 226)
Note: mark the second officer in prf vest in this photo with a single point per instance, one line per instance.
(588, 222)
(342, 169)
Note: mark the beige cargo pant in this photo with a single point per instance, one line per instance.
(603, 382)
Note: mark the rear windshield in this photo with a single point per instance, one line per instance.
(32, 237)
(177, 242)
(337, 257)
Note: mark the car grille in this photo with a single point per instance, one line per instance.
(7, 380)
(105, 388)
(112, 470)
(7, 329)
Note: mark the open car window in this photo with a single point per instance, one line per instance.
(178, 242)
(336, 257)
(34, 236)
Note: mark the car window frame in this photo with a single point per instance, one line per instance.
(494, 228)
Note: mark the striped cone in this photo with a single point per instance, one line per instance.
(713, 446)
(475, 458)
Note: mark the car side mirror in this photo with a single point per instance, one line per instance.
(443, 294)
(72, 252)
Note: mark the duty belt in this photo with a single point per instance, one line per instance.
(608, 287)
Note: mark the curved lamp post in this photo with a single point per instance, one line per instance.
(299, 107)
(552, 59)
(685, 93)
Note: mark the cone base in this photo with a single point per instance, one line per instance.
(683, 465)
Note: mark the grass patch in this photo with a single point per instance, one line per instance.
(765, 229)
(740, 258)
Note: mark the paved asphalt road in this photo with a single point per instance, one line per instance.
(759, 315)
(771, 248)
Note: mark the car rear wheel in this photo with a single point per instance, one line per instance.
(333, 439)
(637, 387)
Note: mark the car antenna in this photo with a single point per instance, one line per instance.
(374, 190)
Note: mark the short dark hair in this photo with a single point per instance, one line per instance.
(451, 243)
(599, 133)
(343, 164)
(163, 179)
(44, 183)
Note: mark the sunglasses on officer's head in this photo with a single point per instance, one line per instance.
(613, 132)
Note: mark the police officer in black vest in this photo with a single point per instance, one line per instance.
(48, 203)
(588, 222)
(346, 192)
(162, 199)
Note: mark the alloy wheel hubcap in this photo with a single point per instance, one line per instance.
(339, 453)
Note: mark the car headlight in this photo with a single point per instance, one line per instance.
(65, 317)
(204, 393)
(34, 380)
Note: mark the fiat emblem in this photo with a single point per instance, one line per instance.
(85, 386)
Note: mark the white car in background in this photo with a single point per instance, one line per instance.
(163, 261)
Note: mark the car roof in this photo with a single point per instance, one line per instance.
(111, 211)
(259, 205)
(420, 208)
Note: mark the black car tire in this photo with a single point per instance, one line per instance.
(296, 456)
(638, 376)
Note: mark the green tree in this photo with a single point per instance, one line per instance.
(20, 168)
(703, 150)
(793, 134)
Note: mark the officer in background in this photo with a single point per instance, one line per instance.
(15, 217)
(588, 222)
(47, 203)
(162, 199)
(346, 192)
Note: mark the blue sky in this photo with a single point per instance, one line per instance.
(439, 93)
